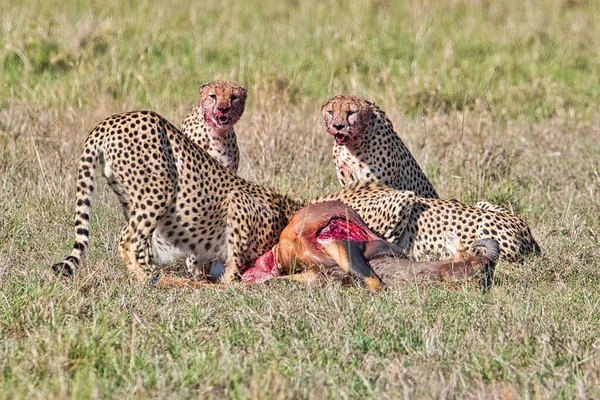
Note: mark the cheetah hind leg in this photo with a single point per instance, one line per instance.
(126, 250)
(122, 244)
(136, 242)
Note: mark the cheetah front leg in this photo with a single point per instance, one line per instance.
(249, 232)
(197, 271)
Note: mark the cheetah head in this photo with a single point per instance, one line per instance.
(346, 118)
(222, 104)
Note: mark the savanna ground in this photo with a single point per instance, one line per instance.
(497, 100)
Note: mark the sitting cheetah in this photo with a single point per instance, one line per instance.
(367, 147)
(421, 224)
(178, 199)
(210, 123)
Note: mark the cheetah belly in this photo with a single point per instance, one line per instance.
(168, 246)
(165, 252)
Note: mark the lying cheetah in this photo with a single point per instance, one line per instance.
(421, 224)
(178, 199)
(367, 147)
(210, 123)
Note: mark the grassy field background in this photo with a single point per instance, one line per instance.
(497, 100)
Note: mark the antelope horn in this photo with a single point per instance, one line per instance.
(492, 249)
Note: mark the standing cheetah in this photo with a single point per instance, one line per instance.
(366, 147)
(177, 198)
(210, 123)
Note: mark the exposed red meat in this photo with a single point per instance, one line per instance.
(264, 268)
(342, 229)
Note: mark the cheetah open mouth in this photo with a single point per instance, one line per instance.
(341, 138)
(221, 120)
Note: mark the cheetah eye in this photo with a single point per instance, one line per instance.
(234, 97)
(330, 112)
(350, 112)
(212, 96)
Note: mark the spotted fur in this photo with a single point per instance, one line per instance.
(177, 198)
(366, 147)
(210, 123)
(180, 201)
(486, 205)
(419, 224)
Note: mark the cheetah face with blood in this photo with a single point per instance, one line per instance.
(222, 105)
(346, 118)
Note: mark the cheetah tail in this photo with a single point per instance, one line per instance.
(85, 188)
(537, 250)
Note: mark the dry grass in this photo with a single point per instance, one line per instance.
(497, 100)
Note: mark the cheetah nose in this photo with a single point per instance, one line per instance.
(223, 109)
(338, 126)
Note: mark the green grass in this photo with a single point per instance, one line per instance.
(496, 100)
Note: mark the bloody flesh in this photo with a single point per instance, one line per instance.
(337, 228)
(340, 228)
(264, 268)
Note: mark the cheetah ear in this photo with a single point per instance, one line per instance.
(203, 86)
(325, 104)
(368, 105)
(244, 91)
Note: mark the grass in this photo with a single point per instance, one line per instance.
(497, 101)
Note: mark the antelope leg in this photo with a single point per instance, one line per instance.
(349, 256)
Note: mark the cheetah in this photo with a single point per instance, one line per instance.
(366, 147)
(177, 199)
(210, 123)
(422, 223)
